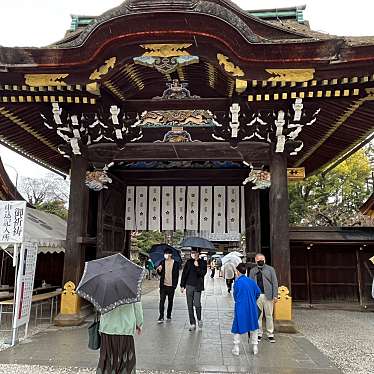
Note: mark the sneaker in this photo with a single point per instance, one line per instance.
(235, 350)
(160, 320)
(168, 319)
(259, 338)
(255, 349)
(192, 327)
(200, 324)
(271, 339)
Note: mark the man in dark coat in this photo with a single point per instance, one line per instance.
(169, 276)
(193, 282)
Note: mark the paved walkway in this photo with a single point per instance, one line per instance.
(171, 346)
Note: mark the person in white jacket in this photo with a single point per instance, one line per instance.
(229, 270)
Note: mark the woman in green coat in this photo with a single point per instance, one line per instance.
(117, 328)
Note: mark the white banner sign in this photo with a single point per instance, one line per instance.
(141, 208)
(192, 222)
(12, 221)
(154, 208)
(168, 208)
(206, 208)
(180, 208)
(219, 209)
(25, 283)
(130, 208)
(232, 214)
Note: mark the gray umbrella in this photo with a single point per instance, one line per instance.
(110, 282)
(197, 242)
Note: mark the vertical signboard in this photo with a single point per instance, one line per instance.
(24, 286)
(12, 221)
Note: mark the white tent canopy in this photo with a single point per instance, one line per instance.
(48, 230)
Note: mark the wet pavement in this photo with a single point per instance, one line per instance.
(171, 346)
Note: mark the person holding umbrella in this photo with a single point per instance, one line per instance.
(113, 285)
(169, 276)
(192, 281)
(229, 270)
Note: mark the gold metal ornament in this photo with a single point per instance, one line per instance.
(104, 69)
(296, 174)
(229, 67)
(290, 75)
(166, 50)
(240, 85)
(41, 80)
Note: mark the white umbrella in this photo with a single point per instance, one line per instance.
(236, 253)
(231, 258)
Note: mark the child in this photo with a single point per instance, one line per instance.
(246, 293)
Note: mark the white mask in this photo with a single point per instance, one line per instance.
(166, 256)
(193, 255)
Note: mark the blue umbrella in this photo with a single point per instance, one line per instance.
(157, 253)
(197, 242)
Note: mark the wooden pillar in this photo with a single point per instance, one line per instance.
(279, 229)
(77, 220)
(252, 221)
(70, 313)
(127, 245)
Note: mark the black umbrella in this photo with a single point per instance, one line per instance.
(110, 282)
(197, 242)
(157, 253)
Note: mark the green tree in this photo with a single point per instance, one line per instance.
(333, 199)
(56, 207)
(144, 240)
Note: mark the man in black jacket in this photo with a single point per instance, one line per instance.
(193, 282)
(169, 275)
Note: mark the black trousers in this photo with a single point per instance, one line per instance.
(229, 283)
(166, 291)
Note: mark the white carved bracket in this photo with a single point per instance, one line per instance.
(234, 123)
(298, 108)
(281, 139)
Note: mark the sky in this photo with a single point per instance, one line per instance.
(41, 22)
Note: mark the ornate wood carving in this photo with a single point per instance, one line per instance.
(83, 129)
(280, 127)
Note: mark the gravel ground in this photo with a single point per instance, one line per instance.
(36, 369)
(347, 338)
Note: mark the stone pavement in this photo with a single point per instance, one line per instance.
(170, 346)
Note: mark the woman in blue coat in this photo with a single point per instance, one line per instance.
(246, 293)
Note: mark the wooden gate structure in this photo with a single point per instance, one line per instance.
(191, 93)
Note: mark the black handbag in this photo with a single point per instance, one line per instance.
(94, 338)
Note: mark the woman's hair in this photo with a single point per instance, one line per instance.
(168, 251)
(242, 268)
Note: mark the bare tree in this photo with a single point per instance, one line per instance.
(42, 190)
